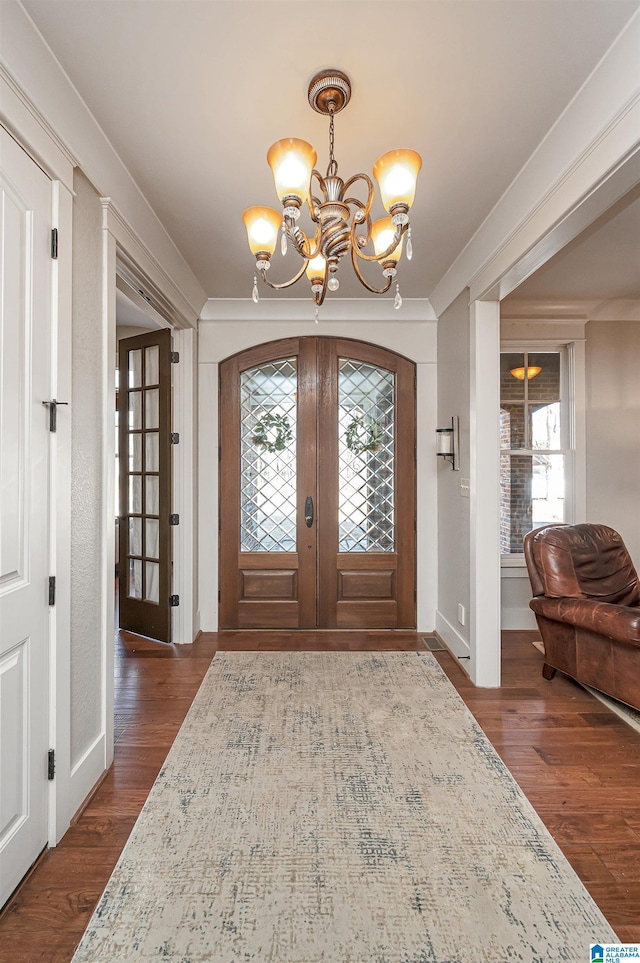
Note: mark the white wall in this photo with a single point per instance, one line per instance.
(613, 428)
(415, 340)
(454, 509)
(86, 480)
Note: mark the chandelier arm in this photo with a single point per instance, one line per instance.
(385, 254)
(302, 243)
(285, 284)
(364, 283)
(353, 180)
(313, 201)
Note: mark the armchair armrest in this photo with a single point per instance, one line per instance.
(618, 622)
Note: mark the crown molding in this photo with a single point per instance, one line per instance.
(143, 270)
(30, 128)
(302, 309)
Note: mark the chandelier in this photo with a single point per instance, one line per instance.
(343, 222)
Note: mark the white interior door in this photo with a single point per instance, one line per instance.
(25, 364)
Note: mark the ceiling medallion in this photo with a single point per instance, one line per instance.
(343, 223)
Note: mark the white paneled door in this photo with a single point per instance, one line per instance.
(25, 362)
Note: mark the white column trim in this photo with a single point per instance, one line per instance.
(484, 562)
(108, 486)
(184, 375)
(578, 430)
(208, 497)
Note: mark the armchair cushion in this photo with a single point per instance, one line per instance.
(617, 622)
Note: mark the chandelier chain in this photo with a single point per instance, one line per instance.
(332, 168)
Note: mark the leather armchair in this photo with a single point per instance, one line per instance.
(587, 605)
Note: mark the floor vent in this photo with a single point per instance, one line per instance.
(433, 644)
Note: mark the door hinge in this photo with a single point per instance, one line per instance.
(174, 438)
(174, 600)
(54, 243)
(52, 590)
(51, 764)
(175, 357)
(174, 519)
(53, 412)
(219, 596)
(219, 453)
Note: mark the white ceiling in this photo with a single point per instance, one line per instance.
(192, 94)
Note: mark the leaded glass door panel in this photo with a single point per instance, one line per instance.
(317, 487)
(366, 487)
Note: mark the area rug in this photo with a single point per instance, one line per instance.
(338, 807)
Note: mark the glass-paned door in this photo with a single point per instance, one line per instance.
(317, 483)
(144, 419)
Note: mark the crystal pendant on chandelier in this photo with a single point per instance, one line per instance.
(333, 284)
(397, 301)
(283, 241)
(255, 295)
(316, 316)
(409, 247)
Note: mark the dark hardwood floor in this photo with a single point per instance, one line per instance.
(575, 760)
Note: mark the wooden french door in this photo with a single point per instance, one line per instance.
(317, 486)
(144, 422)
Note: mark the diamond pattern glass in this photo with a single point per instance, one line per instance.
(366, 416)
(268, 409)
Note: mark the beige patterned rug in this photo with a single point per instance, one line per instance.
(337, 807)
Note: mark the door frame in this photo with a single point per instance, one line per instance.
(415, 340)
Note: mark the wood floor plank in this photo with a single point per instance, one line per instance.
(577, 762)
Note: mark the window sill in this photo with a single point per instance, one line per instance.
(513, 567)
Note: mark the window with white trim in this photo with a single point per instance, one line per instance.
(534, 441)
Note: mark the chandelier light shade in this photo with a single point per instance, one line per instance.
(341, 221)
(263, 225)
(397, 174)
(382, 234)
(292, 162)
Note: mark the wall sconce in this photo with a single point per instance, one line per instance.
(447, 443)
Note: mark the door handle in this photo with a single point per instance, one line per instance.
(308, 511)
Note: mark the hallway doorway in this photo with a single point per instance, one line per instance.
(317, 486)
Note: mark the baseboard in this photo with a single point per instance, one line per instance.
(515, 620)
(85, 802)
(458, 646)
(87, 772)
